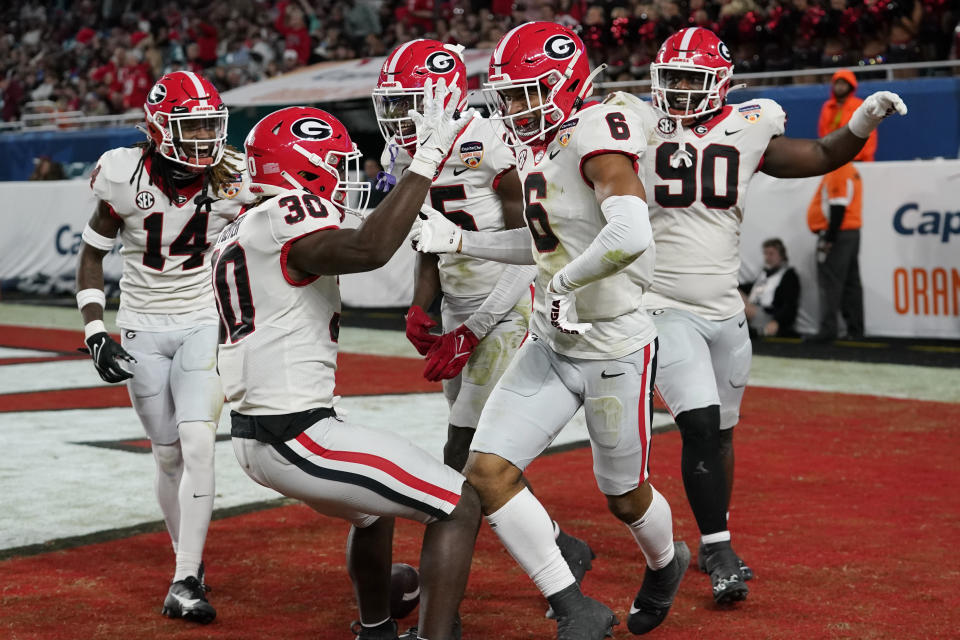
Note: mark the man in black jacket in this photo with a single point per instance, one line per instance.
(771, 301)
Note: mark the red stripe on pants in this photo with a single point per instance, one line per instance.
(378, 462)
(643, 410)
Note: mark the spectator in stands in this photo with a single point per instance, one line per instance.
(292, 24)
(45, 168)
(835, 216)
(772, 300)
(45, 45)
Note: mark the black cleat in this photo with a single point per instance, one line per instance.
(722, 565)
(187, 599)
(385, 631)
(656, 594)
(577, 553)
(579, 557)
(580, 617)
(745, 572)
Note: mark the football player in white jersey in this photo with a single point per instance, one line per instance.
(276, 278)
(701, 156)
(592, 343)
(166, 201)
(486, 305)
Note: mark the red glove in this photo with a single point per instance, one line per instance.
(450, 353)
(418, 329)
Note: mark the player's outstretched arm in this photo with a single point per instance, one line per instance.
(372, 244)
(99, 236)
(801, 158)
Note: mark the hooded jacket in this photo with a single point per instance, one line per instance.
(835, 114)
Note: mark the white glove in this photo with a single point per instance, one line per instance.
(561, 306)
(436, 128)
(875, 108)
(436, 234)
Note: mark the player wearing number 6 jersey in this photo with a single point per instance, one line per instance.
(166, 201)
(700, 157)
(278, 294)
(592, 343)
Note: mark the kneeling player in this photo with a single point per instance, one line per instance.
(275, 273)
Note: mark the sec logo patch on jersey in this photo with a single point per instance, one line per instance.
(144, 200)
(667, 127)
(471, 153)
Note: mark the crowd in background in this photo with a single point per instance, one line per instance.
(101, 56)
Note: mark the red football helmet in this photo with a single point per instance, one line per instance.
(691, 74)
(306, 148)
(187, 120)
(400, 85)
(542, 59)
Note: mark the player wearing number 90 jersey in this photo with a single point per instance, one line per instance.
(166, 201)
(701, 157)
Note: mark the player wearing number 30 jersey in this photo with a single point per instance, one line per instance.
(701, 155)
(593, 344)
(166, 201)
(277, 291)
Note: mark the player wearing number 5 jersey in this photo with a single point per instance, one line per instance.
(278, 294)
(166, 201)
(700, 157)
(486, 305)
(592, 343)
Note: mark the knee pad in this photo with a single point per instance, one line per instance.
(169, 457)
(197, 440)
(699, 425)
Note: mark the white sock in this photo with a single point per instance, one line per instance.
(654, 532)
(719, 536)
(525, 529)
(166, 484)
(197, 440)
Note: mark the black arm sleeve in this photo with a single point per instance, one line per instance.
(837, 212)
(786, 299)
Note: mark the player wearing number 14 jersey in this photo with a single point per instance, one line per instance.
(166, 201)
(700, 157)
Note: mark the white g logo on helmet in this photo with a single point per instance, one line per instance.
(724, 52)
(440, 62)
(311, 129)
(559, 47)
(157, 94)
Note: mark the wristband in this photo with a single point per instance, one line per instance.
(91, 296)
(94, 327)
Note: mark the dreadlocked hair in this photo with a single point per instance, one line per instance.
(161, 175)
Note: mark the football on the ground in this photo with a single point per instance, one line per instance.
(404, 590)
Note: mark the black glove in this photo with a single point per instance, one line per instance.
(105, 353)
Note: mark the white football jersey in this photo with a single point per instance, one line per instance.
(465, 192)
(166, 269)
(278, 351)
(696, 180)
(564, 217)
